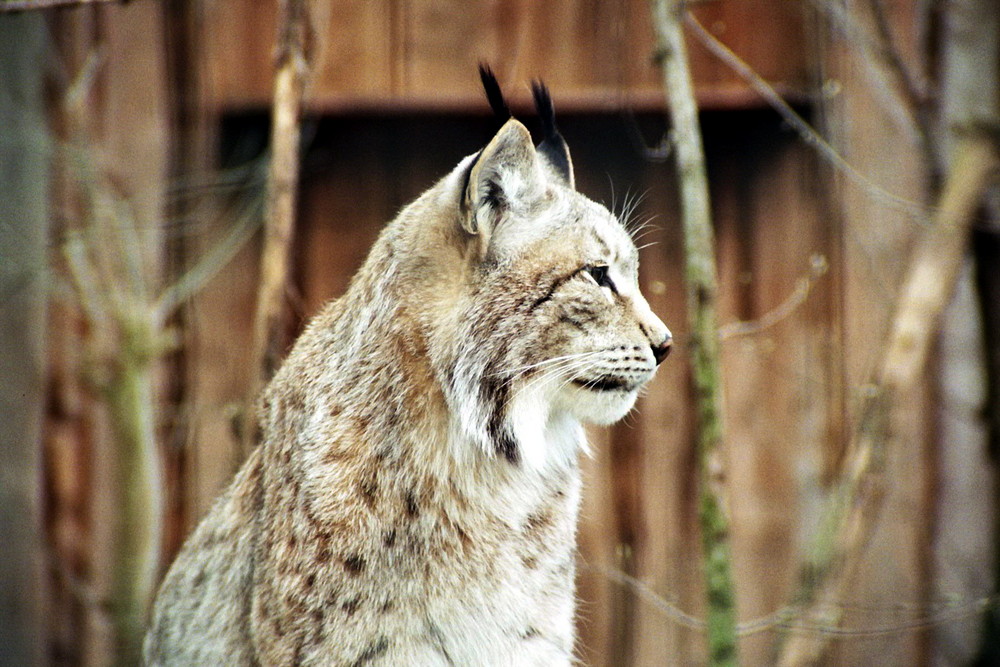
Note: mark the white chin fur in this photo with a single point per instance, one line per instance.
(547, 437)
(547, 428)
(597, 407)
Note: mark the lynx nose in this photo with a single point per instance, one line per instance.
(662, 349)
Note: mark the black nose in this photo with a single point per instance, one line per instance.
(661, 350)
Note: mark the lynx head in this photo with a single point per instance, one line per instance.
(551, 327)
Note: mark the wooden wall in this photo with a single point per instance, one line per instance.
(423, 53)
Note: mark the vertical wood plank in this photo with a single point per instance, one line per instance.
(355, 52)
(240, 52)
(218, 322)
(669, 563)
(779, 391)
(877, 234)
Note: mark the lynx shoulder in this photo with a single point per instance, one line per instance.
(414, 498)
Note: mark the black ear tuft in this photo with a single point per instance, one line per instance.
(546, 112)
(553, 147)
(493, 93)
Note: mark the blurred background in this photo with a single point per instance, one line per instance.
(134, 143)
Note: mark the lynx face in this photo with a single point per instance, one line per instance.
(556, 330)
(603, 342)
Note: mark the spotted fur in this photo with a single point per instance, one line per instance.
(414, 498)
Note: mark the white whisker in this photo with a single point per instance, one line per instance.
(520, 370)
(646, 227)
(565, 372)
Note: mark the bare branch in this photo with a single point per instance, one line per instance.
(293, 61)
(701, 285)
(914, 89)
(213, 261)
(790, 618)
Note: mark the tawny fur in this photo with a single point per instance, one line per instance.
(414, 498)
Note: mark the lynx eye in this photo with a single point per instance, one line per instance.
(600, 276)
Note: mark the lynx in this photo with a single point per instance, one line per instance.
(414, 497)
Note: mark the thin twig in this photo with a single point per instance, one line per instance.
(880, 56)
(913, 89)
(791, 618)
(808, 135)
(209, 265)
(817, 269)
(85, 285)
(872, 56)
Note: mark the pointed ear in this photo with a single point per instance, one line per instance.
(507, 174)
